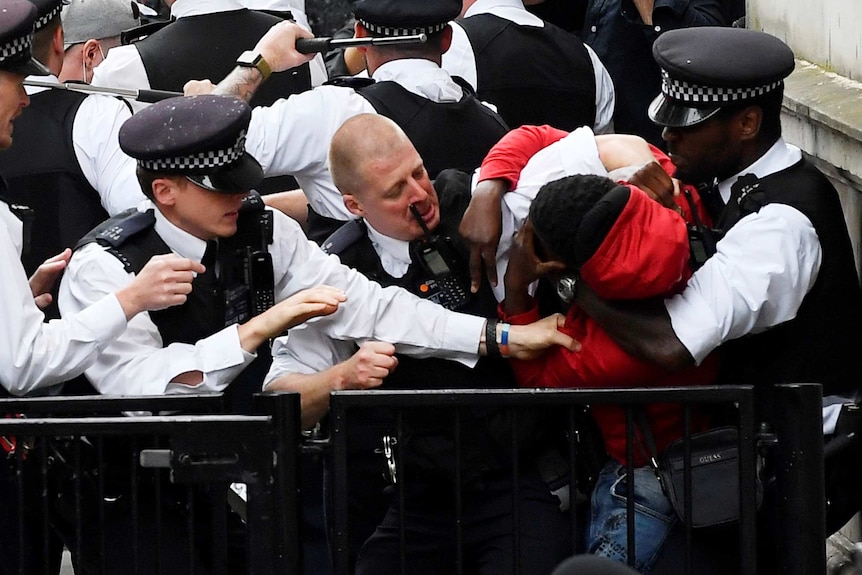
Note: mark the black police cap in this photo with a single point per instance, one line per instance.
(16, 38)
(199, 137)
(707, 68)
(47, 11)
(405, 17)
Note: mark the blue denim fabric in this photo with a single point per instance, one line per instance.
(654, 516)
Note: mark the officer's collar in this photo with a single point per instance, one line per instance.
(779, 157)
(394, 254)
(180, 241)
(183, 8)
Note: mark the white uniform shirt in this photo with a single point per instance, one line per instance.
(137, 363)
(292, 136)
(309, 350)
(123, 67)
(460, 60)
(34, 354)
(762, 270)
(95, 140)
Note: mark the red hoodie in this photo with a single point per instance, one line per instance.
(645, 254)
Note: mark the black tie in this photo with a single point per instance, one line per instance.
(733, 211)
(209, 260)
(711, 199)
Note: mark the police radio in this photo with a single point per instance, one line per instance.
(262, 282)
(444, 284)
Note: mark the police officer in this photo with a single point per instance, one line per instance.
(721, 115)
(532, 71)
(33, 354)
(384, 182)
(203, 41)
(66, 163)
(446, 123)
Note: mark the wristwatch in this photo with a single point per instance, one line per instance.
(252, 59)
(567, 288)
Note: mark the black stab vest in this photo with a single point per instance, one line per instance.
(207, 46)
(533, 75)
(484, 432)
(446, 135)
(213, 303)
(822, 344)
(42, 172)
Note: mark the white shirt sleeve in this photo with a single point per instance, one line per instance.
(292, 137)
(123, 68)
(417, 327)
(34, 354)
(135, 362)
(605, 96)
(306, 350)
(762, 270)
(107, 168)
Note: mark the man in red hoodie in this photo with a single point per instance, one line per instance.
(626, 246)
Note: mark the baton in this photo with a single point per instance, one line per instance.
(312, 45)
(148, 96)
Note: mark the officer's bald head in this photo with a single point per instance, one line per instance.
(357, 147)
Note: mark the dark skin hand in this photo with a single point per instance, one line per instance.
(481, 227)
(524, 268)
(653, 180)
(642, 328)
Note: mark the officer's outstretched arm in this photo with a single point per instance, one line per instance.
(530, 341)
(277, 49)
(298, 308)
(365, 369)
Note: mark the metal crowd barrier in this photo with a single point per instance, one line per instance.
(150, 493)
(171, 465)
(795, 445)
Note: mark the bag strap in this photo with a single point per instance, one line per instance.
(649, 438)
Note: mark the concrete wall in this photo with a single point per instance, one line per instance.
(823, 96)
(827, 32)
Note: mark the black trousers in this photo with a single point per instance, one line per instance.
(489, 542)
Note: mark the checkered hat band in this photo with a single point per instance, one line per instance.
(15, 47)
(390, 31)
(201, 161)
(687, 92)
(42, 21)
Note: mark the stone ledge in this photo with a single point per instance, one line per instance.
(823, 116)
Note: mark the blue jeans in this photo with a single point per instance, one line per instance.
(654, 516)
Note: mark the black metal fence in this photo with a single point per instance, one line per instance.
(160, 493)
(167, 493)
(793, 448)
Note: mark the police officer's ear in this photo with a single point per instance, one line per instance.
(446, 40)
(748, 122)
(353, 205)
(165, 191)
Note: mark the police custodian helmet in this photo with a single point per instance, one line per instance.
(706, 68)
(16, 38)
(199, 137)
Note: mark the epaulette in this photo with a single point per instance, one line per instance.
(135, 34)
(344, 237)
(115, 231)
(349, 82)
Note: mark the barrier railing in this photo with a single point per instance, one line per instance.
(149, 494)
(798, 434)
(61, 484)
